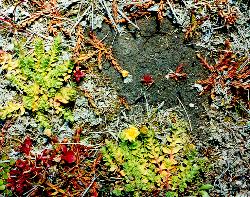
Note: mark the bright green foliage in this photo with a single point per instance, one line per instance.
(149, 164)
(42, 79)
(5, 166)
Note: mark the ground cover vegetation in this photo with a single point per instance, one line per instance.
(169, 166)
(49, 51)
(43, 81)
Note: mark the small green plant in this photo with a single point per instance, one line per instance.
(146, 163)
(5, 166)
(43, 81)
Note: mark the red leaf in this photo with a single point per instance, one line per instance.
(204, 63)
(26, 146)
(179, 68)
(64, 148)
(20, 163)
(69, 157)
(178, 75)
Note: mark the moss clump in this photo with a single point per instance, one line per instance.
(42, 79)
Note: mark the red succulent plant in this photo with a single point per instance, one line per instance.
(64, 170)
(147, 79)
(26, 146)
(78, 74)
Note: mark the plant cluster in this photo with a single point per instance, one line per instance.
(41, 9)
(220, 13)
(5, 166)
(145, 163)
(228, 82)
(68, 169)
(43, 80)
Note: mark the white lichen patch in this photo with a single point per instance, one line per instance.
(104, 98)
(6, 94)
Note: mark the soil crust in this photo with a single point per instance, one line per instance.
(156, 50)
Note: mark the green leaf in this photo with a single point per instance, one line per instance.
(5, 176)
(2, 187)
(206, 187)
(1, 181)
(171, 194)
(12, 162)
(204, 193)
(117, 192)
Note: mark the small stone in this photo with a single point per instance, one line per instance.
(191, 105)
(128, 79)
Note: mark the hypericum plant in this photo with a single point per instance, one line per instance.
(144, 163)
(43, 81)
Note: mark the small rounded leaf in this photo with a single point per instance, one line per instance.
(2, 187)
(69, 157)
(206, 187)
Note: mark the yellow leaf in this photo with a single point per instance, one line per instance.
(34, 106)
(66, 77)
(164, 173)
(151, 156)
(36, 89)
(166, 150)
(163, 165)
(144, 180)
(113, 168)
(176, 149)
(178, 141)
(173, 161)
(161, 158)
(59, 98)
(169, 139)
(122, 173)
(22, 109)
(157, 149)
(36, 98)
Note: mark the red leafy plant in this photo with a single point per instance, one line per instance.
(78, 74)
(178, 74)
(26, 146)
(147, 79)
(20, 177)
(68, 155)
(228, 81)
(66, 170)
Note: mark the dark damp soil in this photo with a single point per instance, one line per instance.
(156, 50)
